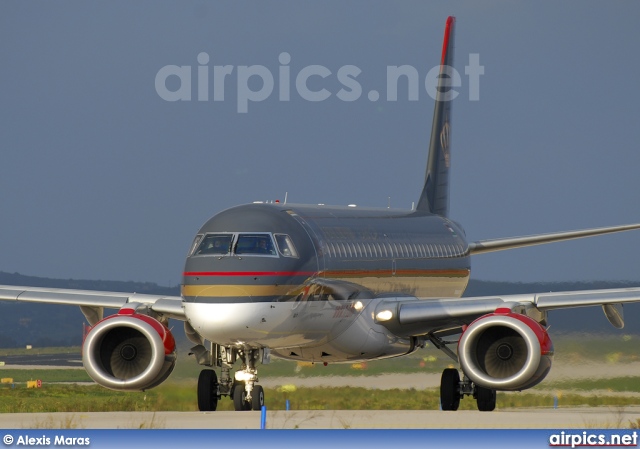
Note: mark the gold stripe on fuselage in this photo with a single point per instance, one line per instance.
(215, 290)
(382, 274)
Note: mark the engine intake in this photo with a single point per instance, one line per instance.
(129, 352)
(505, 351)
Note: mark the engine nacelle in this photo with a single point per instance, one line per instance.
(129, 352)
(505, 351)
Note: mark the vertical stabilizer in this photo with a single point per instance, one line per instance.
(435, 193)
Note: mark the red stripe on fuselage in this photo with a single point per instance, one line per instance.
(249, 273)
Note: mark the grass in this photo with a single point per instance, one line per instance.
(582, 348)
(617, 384)
(46, 375)
(72, 398)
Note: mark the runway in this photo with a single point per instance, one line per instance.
(569, 418)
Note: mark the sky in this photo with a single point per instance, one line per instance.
(111, 161)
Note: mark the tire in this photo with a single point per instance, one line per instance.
(257, 397)
(207, 391)
(449, 389)
(240, 398)
(486, 399)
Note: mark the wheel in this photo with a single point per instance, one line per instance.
(207, 391)
(257, 397)
(486, 399)
(240, 398)
(450, 389)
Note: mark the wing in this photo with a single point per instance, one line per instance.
(412, 317)
(92, 303)
(485, 246)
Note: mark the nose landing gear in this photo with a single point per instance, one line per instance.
(242, 401)
(246, 394)
(243, 390)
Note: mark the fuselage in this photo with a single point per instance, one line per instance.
(304, 280)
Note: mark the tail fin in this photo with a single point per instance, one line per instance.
(435, 193)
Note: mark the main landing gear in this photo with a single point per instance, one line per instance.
(208, 390)
(452, 389)
(242, 389)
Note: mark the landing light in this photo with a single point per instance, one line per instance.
(358, 306)
(385, 315)
(243, 376)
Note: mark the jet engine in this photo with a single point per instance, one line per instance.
(505, 351)
(129, 351)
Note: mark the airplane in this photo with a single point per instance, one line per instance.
(331, 284)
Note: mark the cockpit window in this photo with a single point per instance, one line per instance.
(285, 245)
(215, 244)
(258, 244)
(195, 244)
(244, 243)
